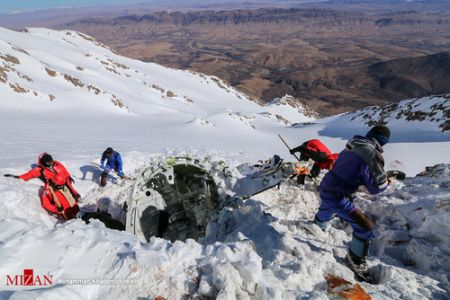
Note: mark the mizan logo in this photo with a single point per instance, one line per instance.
(28, 279)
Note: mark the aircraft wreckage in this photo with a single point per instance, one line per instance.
(176, 199)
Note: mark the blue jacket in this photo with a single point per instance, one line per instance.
(113, 162)
(361, 163)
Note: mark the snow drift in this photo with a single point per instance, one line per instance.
(261, 248)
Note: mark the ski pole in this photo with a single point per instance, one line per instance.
(286, 144)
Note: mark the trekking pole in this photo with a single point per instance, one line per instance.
(298, 158)
(287, 146)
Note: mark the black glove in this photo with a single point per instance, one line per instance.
(315, 171)
(11, 175)
(71, 179)
(294, 150)
(304, 157)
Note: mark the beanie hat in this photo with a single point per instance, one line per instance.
(381, 133)
(46, 159)
(109, 151)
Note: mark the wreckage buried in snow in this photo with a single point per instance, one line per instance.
(177, 199)
(173, 201)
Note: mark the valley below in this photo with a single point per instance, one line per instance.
(333, 60)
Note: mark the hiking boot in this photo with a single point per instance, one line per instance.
(359, 267)
(359, 263)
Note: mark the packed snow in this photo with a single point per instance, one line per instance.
(260, 248)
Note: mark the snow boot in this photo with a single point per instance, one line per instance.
(322, 225)
(356, 259)
(301, 180)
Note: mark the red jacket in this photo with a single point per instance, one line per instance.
(44, 173)
(319, 153)
(57, 174)
(54, 178)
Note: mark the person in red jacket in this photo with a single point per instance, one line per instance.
(319, 153)
(58, 196)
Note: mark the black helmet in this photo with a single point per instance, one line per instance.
(46, 160)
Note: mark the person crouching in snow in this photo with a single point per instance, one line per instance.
(361, 163)
(319, 153)
(58, 196)
(113, 162)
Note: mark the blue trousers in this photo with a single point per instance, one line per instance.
(343, 209)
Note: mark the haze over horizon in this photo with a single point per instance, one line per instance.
(14, 6)
(23, 6)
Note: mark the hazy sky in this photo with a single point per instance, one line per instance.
(8, 6)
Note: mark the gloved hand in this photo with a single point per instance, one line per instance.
(71, 179)
(102, 167)
(292, 151)
(11, 175)
(304, 157)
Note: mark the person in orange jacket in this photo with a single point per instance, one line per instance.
(58, 196)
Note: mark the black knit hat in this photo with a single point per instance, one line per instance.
(46, 159)
(109, 151)
(381, 133)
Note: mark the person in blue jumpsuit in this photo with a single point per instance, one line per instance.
(113, 162)
(361, 163)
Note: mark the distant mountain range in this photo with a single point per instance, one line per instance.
(328, 58)
(335, 56)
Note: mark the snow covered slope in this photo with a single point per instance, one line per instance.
(51, 70)
(96, 97)
(289, 107)
(66, 94)
(420, 131)
(417, 120)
